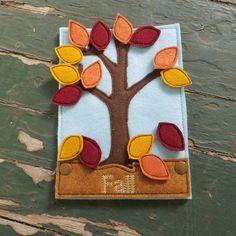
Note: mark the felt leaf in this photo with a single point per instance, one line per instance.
(67, 95)
(166, 58)
(100, 36)
(65, 73)
(92, 75)
(145, 36)
(140, 145)
(69, 53)
(154, 167)
(122, 29)
(70, 147)
(170, 136)
(176, 77)
(78, 34)
(91, 153)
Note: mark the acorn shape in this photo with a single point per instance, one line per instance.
(154, 167)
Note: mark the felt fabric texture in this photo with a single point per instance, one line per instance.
(166, 58)
(122, 29)
(119, 182)
(70, 147)
(90, 116)
(78, 34)
(100, 36)
(176, 77)
(69, 54)
(65, 73)
(91, 153)
(139, 145)
(92, 75)
(170, 136)
(154, 167)
(67, 95)
(145, 36)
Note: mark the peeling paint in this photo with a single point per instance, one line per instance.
(30, 8)
(24, 59)
(32, 144)
(37, 174)
(6, 202)
(70, 224)
(19, 228)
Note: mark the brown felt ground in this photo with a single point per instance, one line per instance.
(117, 181)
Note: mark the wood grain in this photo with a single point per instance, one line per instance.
(29, 32)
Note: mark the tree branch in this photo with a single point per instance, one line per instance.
(110, 65)
(100, 95)
(139, 85)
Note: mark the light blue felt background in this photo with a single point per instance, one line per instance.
(155, 103)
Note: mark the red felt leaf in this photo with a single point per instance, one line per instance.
(91, 153)
(100, 36)
(67, 95)
(170, 136)
(145, 36)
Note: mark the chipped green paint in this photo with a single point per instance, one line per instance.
(29, 34)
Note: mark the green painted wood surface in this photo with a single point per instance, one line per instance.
(29, 32)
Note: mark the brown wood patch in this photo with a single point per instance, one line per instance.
(114, 181)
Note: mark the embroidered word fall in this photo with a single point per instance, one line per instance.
(112, 185)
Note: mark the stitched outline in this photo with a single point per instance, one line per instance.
(132, 157)
(132, 196)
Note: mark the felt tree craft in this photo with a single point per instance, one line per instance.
(75, 79)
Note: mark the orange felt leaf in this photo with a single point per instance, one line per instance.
(154, 167)
(78, 34)
(122, 29)
(166, 58)
(91, 76)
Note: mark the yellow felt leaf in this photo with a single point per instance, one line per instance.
(166, 58)
(140, 145)
(92, 75)
(122, 29)
(65, 73)
(175, 77)
(70, 147)
(69, 53)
